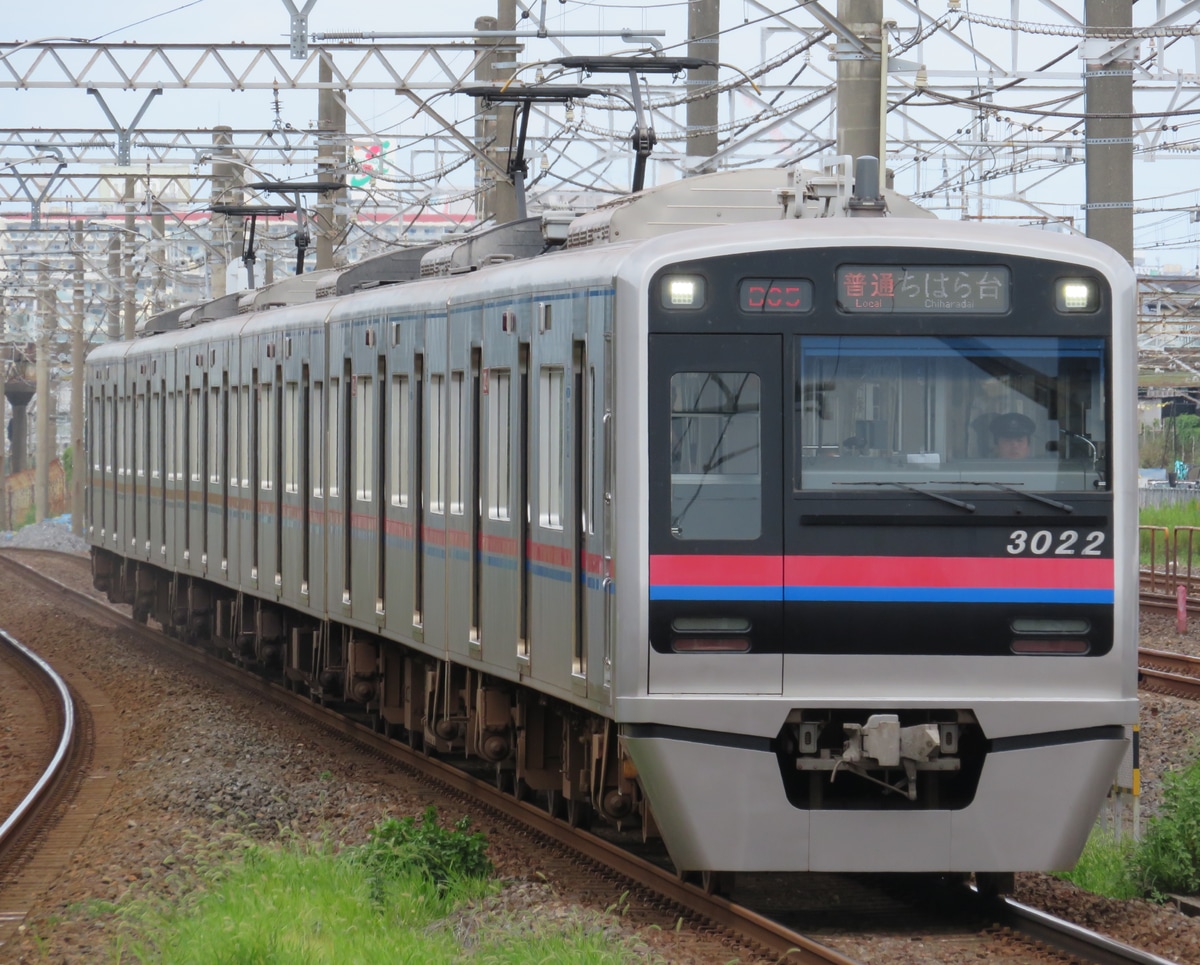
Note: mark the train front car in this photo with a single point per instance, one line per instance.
(886, 543)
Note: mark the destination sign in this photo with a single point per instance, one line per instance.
(924, 289)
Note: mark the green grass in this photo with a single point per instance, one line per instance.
(406, 897)
(1106, 867)
(1167, 858)
(1170, 517)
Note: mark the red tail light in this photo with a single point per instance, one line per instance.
(710, 644)
(1075, 646)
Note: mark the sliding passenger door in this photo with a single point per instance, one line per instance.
(717, 457)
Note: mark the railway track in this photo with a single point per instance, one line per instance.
(739, 926)
(1176, 674)
(32, 826)
(46, 691)
(1078, 943)
(1159, 671)
(1159, 590)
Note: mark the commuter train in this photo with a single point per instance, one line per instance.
(692, 512)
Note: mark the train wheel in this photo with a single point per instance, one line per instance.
(579, 813)
(717, 882)
(504, 780)
(554, 803)
(995, 884)
(710, 882)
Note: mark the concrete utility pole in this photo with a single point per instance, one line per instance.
(331, 160)
(1108, 130)
(18, 397)
(45, 447)
(130, 310)
(78, 458)
(226, 189)
(859, 80)
(113, 301)
(156, 255)
(704, 32)
(485, 121)
(494, 126)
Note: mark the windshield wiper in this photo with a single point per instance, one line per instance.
(969, 507)
(1036, 497)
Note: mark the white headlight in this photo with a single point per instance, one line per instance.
(1077, 295)
(682, 291)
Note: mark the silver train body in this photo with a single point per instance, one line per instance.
(695, 521)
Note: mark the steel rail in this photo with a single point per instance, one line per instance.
(25, 809)
(1075, 940)
(1167, 602)
(1177, 674)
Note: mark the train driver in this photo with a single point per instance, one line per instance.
(1011, 435)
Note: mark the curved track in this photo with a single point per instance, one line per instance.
(24, 828)
(60, 716)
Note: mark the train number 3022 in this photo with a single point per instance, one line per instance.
(1042, 542)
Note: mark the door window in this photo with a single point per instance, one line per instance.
(716, 471)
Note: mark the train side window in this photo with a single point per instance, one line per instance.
(364, 421)
(455, 451)
(290, 440)
(551, 455)
(399, 440)
(244, 438)
(317, 462)
(214, 437)
(231, 438)
(128, 428)
(140, 430)
(169, 447)
(335, 421)
(437, 492)
(180, 433)
(716, 469)
(93, 439)
(589, 472)
(266, 437)
(499, 471)
(235, 439)
(155, 438)
(194, 434)
(119, 440)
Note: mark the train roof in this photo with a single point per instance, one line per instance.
(390, 268)
(294, 290)
(713, 200)
(222, 307)
(729, 197)
(502, 243)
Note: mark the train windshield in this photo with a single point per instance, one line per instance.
(950, 412)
